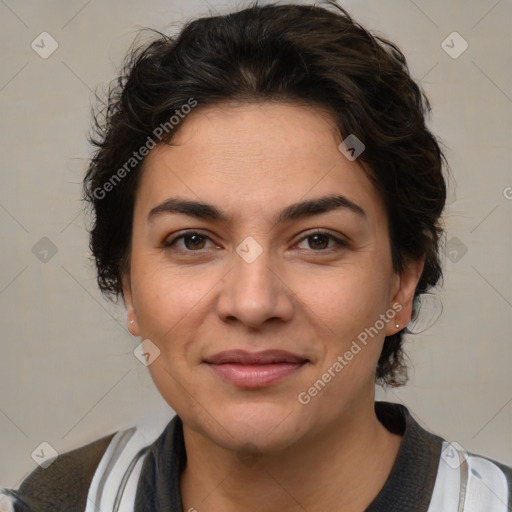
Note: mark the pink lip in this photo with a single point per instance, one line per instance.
(253, 370)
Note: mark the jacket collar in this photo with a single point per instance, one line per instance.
(408, 487)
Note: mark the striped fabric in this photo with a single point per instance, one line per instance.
(429, 475)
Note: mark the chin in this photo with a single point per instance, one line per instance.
(263, 426)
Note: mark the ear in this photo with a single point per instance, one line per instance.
(404, 286)
(131, 315)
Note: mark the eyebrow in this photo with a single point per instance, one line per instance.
(290, 213)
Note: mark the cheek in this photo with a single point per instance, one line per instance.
(173, 385)
(345, 301)
(346, 308)
(170, 311)
(170, 304)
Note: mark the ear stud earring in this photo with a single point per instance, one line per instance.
(397, 326)
(133, 321)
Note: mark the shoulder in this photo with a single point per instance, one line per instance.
(106, 469)
(469, 481)
(440, 476)
(65, 481)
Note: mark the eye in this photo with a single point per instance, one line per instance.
(193, 241)
(320, 238)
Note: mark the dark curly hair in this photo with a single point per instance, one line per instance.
(300, 53)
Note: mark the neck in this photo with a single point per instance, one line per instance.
(347, 462)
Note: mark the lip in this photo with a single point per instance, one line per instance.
(249, 358)
(255, 369)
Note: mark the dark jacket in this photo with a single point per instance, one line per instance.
(429, 475)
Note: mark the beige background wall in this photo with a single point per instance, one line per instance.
(67, 372)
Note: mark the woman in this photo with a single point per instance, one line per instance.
(267, 202)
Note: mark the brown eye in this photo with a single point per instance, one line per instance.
(192, 241)
(319, 241)
(196, 241)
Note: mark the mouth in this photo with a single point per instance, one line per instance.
(255, 370)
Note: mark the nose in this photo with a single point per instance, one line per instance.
(254, 292)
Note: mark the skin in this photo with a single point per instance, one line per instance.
(247, 448)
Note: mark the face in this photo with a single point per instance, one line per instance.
(250, 300)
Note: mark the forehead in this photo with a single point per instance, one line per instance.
(249, 157)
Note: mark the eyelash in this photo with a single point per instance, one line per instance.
(339, 243)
